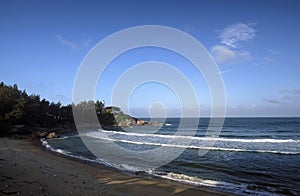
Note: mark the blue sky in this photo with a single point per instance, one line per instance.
(255, 44)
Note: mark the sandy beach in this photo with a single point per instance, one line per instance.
(28, 169)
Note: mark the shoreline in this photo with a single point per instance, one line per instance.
(26, 167)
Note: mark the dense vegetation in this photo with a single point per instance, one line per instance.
(19, 108)
(24, 114)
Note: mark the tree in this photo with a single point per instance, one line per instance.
(17, 107)
(99, 106)
(12, 103)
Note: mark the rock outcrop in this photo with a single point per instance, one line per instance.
(141, 122)
(50, 135)
(43, 134)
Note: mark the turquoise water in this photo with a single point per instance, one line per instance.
(256, 156)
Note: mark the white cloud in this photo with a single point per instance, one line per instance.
(235, 33)
(87, 42)
(72, 45)
(268, 60)
(228, 51)
(273, 52)
(224, 71)
(66, 42)
(225, 55)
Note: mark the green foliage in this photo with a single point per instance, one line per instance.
(107, 116)
(122, 117)
(19, 108)
(16, 107)
(11, 104)
(99, 106)
(84, 112)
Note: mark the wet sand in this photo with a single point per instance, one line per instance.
(28, 169)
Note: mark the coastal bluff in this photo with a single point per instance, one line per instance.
(23, 115)
(113, 116)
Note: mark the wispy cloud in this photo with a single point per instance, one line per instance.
(273, 52)
(233, 34)
(224, 71)
(290, 94)
(286, 95)
(188, 28)
(73, 45)
(66, 42)
(290, 91)
(270, 57)
(62, 98)
(268, 60)
(228, 51)
(225, 55)
(274, 101)
(87, 42)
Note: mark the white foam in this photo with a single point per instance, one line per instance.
(182, 178)
(46, 144)
(61, 151)
(204, 138)
(197, 181)
(240, 189)
(191, 146)
(64, 137)
(97, 160)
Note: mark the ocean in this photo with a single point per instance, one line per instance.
(251, 156)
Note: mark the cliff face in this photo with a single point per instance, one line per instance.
(120, 120)
(110, 117)
(124, 120)
(115, 117)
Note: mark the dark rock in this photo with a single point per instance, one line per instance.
(43, 134)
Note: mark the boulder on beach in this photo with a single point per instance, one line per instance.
(127, 122)
(52, 135)
(154, 123)
(141, 122)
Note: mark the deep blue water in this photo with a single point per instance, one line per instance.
(256, 156)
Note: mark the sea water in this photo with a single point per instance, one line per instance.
(256, 156)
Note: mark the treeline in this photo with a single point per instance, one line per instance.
(19, 108)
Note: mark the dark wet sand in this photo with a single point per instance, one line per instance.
(27, 169)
